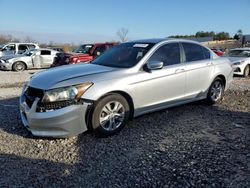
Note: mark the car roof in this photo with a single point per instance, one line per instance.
(158, 40)
(21, 43)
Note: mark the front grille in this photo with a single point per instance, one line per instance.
(31, 94)
(43, 107)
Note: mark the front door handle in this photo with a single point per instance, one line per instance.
(209, 63)
(179, 70)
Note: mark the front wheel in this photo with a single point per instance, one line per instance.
(247, 71)
(110, 115)
(19, 66)
(215, 91)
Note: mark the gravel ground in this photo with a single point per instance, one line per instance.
(192, 145)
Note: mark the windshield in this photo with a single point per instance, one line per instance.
(85, 49)
(239, 53)
(124, 55)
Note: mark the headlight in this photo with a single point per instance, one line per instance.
(3, 61)
(66, 93)
(7, 60)
(237, 63)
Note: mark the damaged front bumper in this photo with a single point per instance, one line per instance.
(5, 66)
(59, 123)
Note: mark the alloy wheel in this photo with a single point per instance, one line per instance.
(247, 71)
(19, 66)
(112, 115)
(216, 90)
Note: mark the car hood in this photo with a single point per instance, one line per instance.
(237, 59)
(63, 76)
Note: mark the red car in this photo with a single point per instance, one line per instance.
(84, 53)
(217, 51)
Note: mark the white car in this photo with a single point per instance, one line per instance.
(16, 48)
(36, 58)
(240, 58)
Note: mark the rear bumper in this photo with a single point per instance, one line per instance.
(61, 123)
(229, 79)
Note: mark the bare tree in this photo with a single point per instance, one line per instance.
(8, 38)
(29, 39)
(122, 34)
(51, 43)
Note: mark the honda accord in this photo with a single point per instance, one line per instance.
(129, 80)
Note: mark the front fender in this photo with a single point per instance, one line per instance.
(102, 88)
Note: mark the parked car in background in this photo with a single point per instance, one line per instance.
(128, 80)
(240, 58)
(245, 40)
(83, 53)
(35, 58)
(59, 49)
(16, 48)
(218, 51)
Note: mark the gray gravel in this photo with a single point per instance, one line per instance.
(193, 145)
(11, 82)
(15, 78)
(241, 84)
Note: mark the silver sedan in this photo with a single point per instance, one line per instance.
(37, 58)
(129, 80)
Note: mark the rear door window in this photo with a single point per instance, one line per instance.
(195, 52)
(45, 52)
(169, 54)
(206, 52)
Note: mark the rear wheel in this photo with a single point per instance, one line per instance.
(110, 115)
(247, 71)
(215, 91)
(19, 66)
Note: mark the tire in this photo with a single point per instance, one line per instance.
(246, 71)
(106, 120)
(216, 91)
(19, 66)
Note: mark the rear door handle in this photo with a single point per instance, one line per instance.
(179, 70)
(210, 63)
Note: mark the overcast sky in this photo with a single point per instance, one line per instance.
(82, 21)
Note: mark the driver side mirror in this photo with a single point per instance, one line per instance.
(154, 65)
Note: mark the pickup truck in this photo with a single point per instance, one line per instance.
(84, 53)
